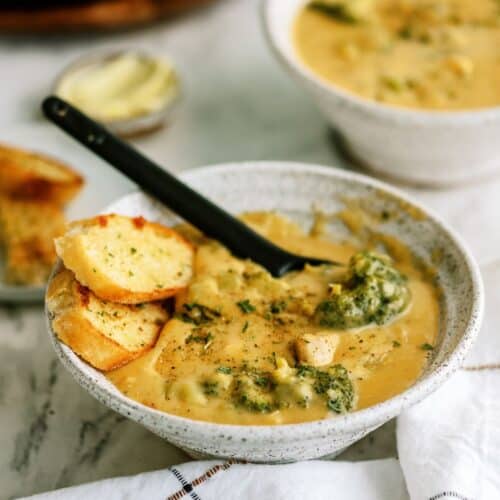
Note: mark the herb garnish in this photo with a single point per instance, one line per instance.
(200, 339)
(197, 314)
(427, 347)
(245, 306)
(277, 306)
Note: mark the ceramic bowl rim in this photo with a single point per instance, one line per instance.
(350, 422)
(420, 117)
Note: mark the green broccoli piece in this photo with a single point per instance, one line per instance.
(254, 391)
(210, 388)
(333, 384)
(374, 292)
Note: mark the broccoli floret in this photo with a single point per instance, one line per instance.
(210, 388)
(254, 391)
(333, 384)
(261, 392)
(374, 292)
(277, 306)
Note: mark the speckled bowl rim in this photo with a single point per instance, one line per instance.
(351, 422)
(366, 106)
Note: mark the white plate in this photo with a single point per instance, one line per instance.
(102, 184)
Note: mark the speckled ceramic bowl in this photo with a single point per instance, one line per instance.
(293, 189)
(416, 146)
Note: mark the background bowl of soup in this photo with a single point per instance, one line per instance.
(296, 190)
(415, 101)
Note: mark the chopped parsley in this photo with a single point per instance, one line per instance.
(245, 306)
(200, 339)
(226, 370)
(197, 314)
(245, 327)
(427, 347)
(277, 306)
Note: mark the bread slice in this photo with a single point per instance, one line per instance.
(127, 260)
(27, 232)
(32, 176)
(106, 335)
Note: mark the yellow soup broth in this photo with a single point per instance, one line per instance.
(429, 54)
(256, 324)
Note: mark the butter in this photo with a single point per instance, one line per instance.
(122, 87)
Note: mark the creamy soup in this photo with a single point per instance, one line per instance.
(246, 348)
(431, 54)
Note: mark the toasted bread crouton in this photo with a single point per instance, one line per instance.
(316, 349)
(104, 334)
(32, 176)
(27, 232)
(126, 260)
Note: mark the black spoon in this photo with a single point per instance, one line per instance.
(190, 205)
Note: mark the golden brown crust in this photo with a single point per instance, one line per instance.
(27, 231)
(94, 348)
(121, 296)
(67, 301)
(19, 181)
(106, 288)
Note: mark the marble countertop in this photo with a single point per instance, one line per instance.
(239, 105)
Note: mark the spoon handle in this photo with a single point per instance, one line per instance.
(180, 198)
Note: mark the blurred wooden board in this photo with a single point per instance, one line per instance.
(98, 15)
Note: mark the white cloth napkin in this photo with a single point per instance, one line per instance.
(448, 447)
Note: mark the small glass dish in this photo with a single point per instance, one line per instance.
(138, 124)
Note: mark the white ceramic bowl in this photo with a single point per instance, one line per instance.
(292, 189)
(421, 147)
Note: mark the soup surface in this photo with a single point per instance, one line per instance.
(246, 348)
(431, 54)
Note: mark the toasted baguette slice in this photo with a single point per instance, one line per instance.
(104, 334)
(27, 232)
(127, 260)
(32, 176)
